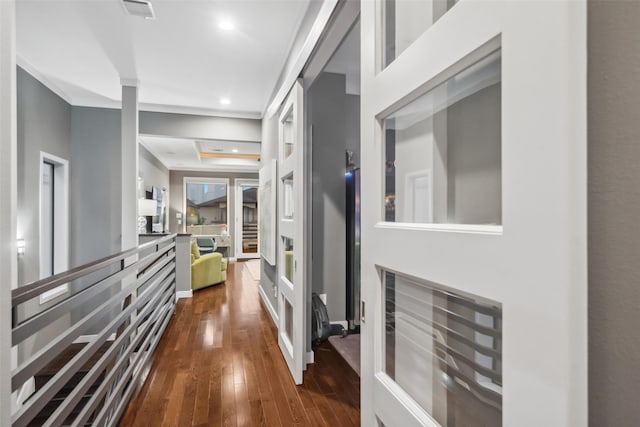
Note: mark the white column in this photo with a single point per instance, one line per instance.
(8, 196)
(129, 147)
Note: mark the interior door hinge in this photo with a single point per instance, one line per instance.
(362, 311)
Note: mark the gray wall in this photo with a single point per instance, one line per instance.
(176, 205)
(334, 118)
(154, 174)
(614, 207)
(192, 126)
(269, 151)
(95, 189)
(474, 159)
(43, 124)
(152, 171)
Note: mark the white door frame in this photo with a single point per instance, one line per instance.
(292, 347)
(534, 264)
(238, 183)
(60, 221)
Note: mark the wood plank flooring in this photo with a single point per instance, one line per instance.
(219, 364)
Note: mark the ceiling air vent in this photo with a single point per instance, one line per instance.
(140, 8)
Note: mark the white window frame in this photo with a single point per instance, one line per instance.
(201, 180)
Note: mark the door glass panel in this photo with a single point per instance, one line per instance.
(406, 20)
(287, 135)
(249, 219)
(288, 259)
(443, 151)
(445, 350)
(288, 319)
(287, 197)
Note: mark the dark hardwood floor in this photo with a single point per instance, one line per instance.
(219, 365)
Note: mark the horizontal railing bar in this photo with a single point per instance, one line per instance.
(483, 308)
(34, 289)
(124, 376)
(89, 407)
(45, 355)
(454, 353)
(489, 394)
(456, 317)
(131, 386)
(160, 252)
(33, 324)
(137, 372)
(49, 390)
(90, 377)
(458, 337)
(487, 372)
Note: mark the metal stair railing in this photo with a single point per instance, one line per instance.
(130, 297)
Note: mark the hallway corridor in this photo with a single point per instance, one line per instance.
(219, 365)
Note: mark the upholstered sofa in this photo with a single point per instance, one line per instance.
(206, 270)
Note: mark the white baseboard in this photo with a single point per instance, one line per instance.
(184, 294)
(267, 303)
(232, 259)
(309, 357)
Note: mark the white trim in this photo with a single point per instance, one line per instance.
(61, 222)
(184, 294)
(27, 389)
(198, 111)
(239, 216)
(217, 168)
(310, 42)
(495, 230)
(309, 357)
(129, 82)
(200, 180)
(33, 71)
(272, 311)
(232, 259)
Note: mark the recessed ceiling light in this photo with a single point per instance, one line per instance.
(226, 25)
(225, 101)
(235, 150)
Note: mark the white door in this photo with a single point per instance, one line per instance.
(474, 301)
(291, 325)
(247, 220)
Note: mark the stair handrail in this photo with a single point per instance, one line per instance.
(38, 287)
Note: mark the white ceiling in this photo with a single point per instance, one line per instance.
(184, 154)
(183, 60)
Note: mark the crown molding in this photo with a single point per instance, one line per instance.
(29, 68)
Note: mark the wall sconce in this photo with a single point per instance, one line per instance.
(21, 246)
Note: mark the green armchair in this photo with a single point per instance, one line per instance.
(206, 270)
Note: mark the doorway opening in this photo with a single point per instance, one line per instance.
(333, 119)
(247, 219)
